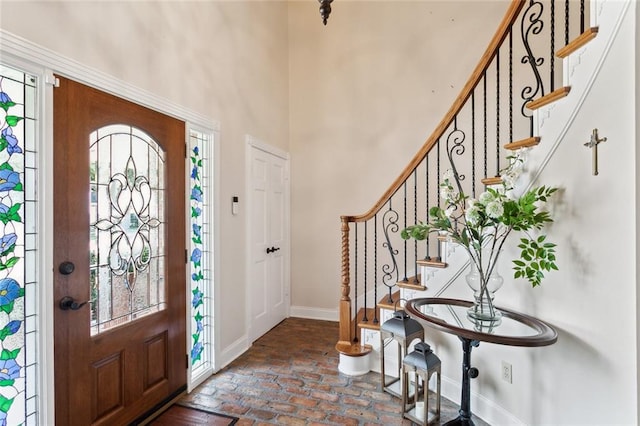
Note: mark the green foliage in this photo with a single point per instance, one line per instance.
(489, 220)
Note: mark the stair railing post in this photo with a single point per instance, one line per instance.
(345, 332)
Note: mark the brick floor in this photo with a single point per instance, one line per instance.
(290, 377)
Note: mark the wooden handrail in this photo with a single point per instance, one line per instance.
(502, 32)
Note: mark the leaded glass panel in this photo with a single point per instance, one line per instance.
(18, 265)
(200, 252)
(127, 228)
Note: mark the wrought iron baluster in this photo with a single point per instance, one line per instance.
(405, 225)
(581, 16)
(426, 257)
(365, 318)
(355, 280)
(552, 53)
(473, 144)
(375, 268)
(390, 225)
(415, 220)
(511, 84)
(498, 111)
(566, 22)
(534, 25)
(484, 119)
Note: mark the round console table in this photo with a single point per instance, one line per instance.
(450, 316)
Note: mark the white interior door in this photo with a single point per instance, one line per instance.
(268, 286)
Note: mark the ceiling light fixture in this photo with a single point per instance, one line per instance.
(325, 10)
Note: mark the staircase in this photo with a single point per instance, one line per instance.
(504, 108)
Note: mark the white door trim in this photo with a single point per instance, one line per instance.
(254, 143)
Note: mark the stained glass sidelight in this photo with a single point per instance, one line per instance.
(126, 203)
(18, 265)
(200, 252)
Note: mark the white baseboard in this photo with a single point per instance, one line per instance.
(233, 351)
(482, 407)
(314, 313)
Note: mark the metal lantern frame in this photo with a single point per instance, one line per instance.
(403, 330)
(423, 363)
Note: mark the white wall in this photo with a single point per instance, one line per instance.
(365, 93)
(224, 60)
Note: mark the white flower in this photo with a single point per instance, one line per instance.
(471, 202)
(449, 211)
(494, 209)
(447, 193)
(486, 197)
(448, 175)
(472, 215)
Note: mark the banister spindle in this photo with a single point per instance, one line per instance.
(405, 225)
(498, 112)
(375, 268)
(581, 16)
(552, 39)
(426, 257)
(365, 318)
(473, 144)
(484, 118)
(355, 281)
(415, 220)
(566, 22)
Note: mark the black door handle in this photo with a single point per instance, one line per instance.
(272, 249)
(68, 302)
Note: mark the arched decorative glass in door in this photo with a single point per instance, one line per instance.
(126, 252)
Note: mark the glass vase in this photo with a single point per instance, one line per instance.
(484, 287)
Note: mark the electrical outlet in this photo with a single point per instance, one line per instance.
(506, 372)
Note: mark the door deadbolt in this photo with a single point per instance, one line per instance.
(66, 268)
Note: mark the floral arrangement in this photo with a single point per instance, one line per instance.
(482, 225)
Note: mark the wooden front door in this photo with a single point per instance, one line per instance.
(119, 245)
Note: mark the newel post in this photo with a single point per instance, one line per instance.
(345, 301)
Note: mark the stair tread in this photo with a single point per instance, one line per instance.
(384, 303)
(524, 143)
(549, 98)
(353, 349)
(578, 42)
(412, 286)
(369, 324)
(432, 263)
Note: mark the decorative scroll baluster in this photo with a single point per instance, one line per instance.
(438, 193)
(390, 271)
(534, 26)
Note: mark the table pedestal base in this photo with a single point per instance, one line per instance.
(468, 373)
